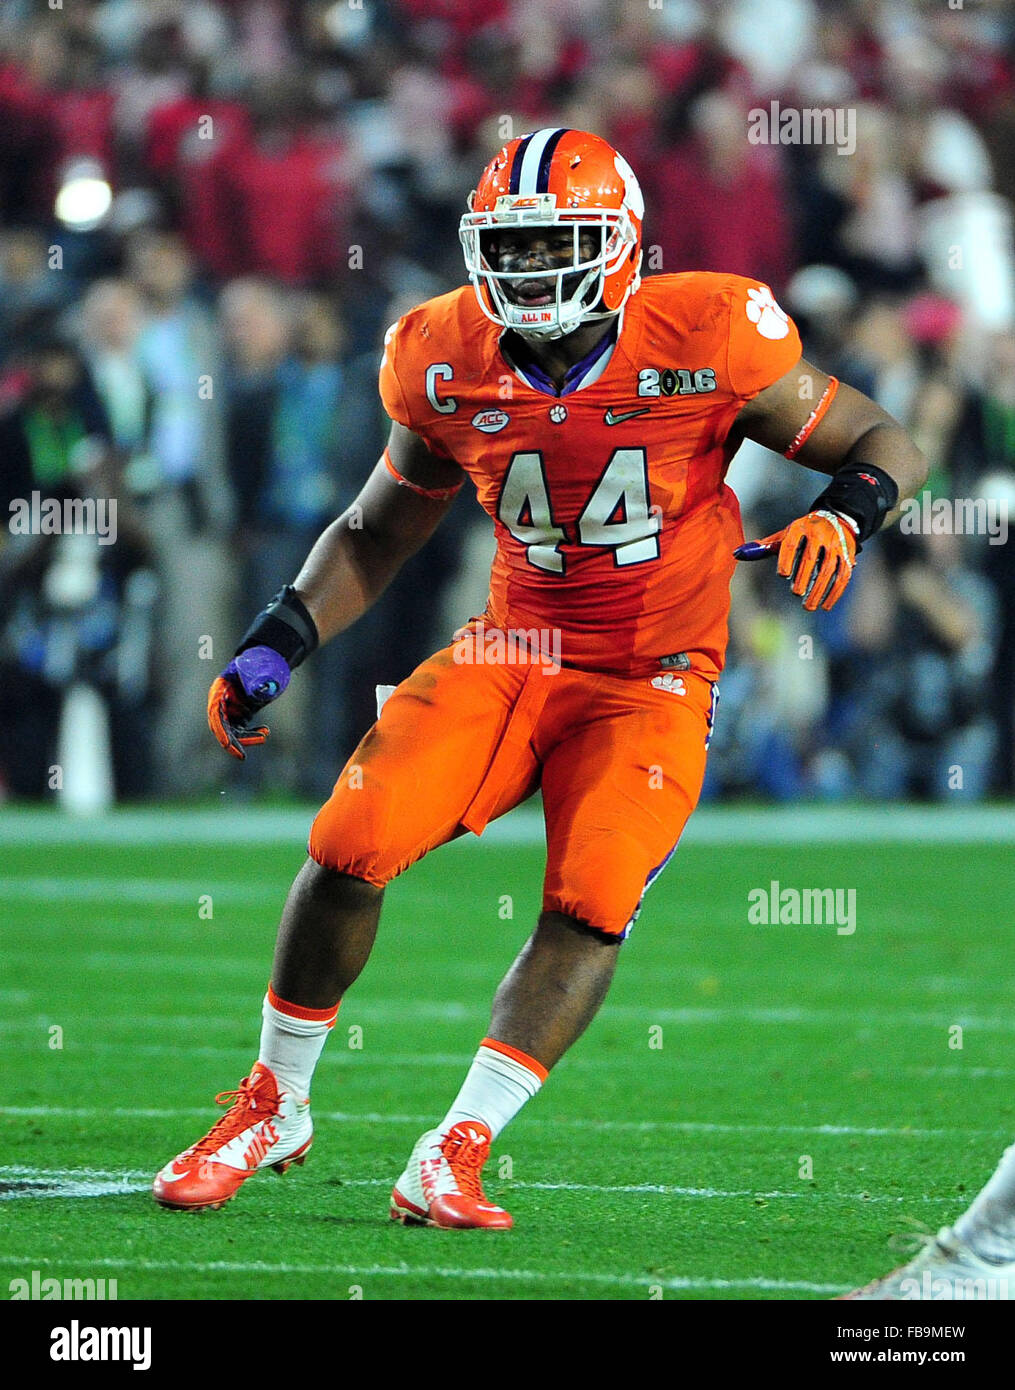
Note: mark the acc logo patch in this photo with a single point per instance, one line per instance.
(765, 314)
(489, 421)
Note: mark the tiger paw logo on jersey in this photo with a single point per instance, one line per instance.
(765, 314)
(668, 681)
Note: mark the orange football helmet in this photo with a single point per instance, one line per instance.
(557, 178)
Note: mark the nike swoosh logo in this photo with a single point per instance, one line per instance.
(167, 1176)
(612, 419)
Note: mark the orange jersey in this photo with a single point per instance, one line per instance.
(614, 525)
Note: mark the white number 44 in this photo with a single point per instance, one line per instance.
(617, 515)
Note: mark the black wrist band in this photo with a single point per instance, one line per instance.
(863, 492)
(286, 626)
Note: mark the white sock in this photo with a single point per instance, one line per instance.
(291, 1046)
(497, 1086)
(988, 1225)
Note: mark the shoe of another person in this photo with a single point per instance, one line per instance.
(946, 1268)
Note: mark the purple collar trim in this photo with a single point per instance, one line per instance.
(540, 381)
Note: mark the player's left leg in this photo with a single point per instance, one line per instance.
(622, 771)
(544, 1004)
(554, 988)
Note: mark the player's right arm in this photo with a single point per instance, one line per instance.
(398, 508)
(361, 552)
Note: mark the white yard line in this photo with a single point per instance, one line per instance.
(48, 1183)
(70, 1182)
(85, 888)
(509, 1185)
(364, 1010)
(132, 1180)
(556, 1121)
(22, 1170)
(65, 1189)
(341, 1059)
(402, 1271)
(249, 826)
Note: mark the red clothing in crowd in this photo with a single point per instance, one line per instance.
(27, 144)
(179, 150)
(739, 225)
(83, 120)
(179, 134)
(42, 127)
(285, 209)
(462, 20)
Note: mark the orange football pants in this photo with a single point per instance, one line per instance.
(620, 762)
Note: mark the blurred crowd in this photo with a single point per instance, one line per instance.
(211, 209)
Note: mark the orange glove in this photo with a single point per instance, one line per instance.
(816, 553)
(227, 718)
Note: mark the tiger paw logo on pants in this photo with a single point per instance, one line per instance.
(765, 314)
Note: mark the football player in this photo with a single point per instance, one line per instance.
(596, 414)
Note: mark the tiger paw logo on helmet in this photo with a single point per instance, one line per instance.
(765, 314)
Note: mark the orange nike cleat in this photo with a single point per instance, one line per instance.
(441, 1183)
(263, 1128)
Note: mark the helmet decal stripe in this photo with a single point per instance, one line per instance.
(543, 177)
(516, 164)
(532, 160)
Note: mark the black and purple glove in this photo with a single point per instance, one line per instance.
(275, 644)
(250, 681)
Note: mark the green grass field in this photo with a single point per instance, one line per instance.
(676, 1166)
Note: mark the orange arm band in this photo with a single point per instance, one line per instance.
(814, 419)
(435, 494)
